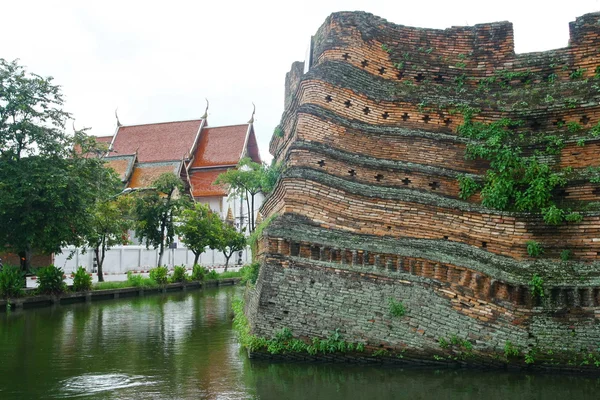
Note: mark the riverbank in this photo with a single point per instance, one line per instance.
(36, 301)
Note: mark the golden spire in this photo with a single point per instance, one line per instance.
(229, 218)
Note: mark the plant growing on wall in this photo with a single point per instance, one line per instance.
(536, 286)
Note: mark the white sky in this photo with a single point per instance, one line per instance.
(157, 61)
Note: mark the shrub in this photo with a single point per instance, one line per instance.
(250, 272)
(212, 274)
(139, 281)
(396, 308)
(536, 285)
(159, 275)
(534, 249)
(199, 272)
(51, 280)
(179, 274)
(565, 255)
(82, 281)
(12, 281)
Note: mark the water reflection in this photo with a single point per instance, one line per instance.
(182, 346)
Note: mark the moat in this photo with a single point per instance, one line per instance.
(182, 346)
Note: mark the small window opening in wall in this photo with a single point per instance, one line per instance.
(385, 115)
(484, 245)
(438, 79)
(596, 191)
(447, 121)
(559, 122)
(400, 75)
(426, 118)
(535, 125)
(420, 77)
(378, 177)
(364, 63)
(346, 56)
(321, 163)
(286, 312)
(546, 77)
(434, 185)
(366, 110)
(445, 237)
(348, 103)
(406, 181)
(389, 228)
(405, 117)
(352, 172)
(562, 193)
(381, 70)
(328, 98)
(584, 120)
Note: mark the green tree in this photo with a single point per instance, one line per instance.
(155, 212)
(198, 228)
(228, 241)
(249, 179)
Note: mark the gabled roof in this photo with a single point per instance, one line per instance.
(103, 139)
(202, 183)
(123, 165)
(145, 174)
(222, 145)
(167, 141)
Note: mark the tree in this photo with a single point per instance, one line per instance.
(248, 179)
(228, 241)
(155, 211)
(46, 187)
(198, 228)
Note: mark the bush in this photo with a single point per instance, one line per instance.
(199, 273)
(134, 280)
(159, 275)
(51, 280)
(396, 307)
(212, 274)
(82, 282)
(179, 274)
(250, 272)
(565, 255)
(534, 249)
(12, 281)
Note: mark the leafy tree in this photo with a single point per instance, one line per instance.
(198, 228)
(155, 212)
(228, 241)
(247, 180)
(47, 188)
(108, 227)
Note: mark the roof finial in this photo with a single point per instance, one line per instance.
(253, 111)
(205, 116)
(117, 117)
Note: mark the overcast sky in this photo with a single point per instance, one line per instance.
(157, 61)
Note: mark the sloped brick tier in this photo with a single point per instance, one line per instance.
(368, 208)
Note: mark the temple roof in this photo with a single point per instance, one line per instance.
(223, 145)
(202, 183)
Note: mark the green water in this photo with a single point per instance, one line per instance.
(182, 346)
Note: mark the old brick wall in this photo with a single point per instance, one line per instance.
(368, 207)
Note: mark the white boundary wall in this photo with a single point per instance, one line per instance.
(121, 259)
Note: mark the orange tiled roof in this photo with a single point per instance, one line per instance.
(144, 174)
(123, 165)
(220, 146)
(168, 141)
(104, 139)
(99, 139)
(202, 182)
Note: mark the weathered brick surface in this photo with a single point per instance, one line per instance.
(369, 209)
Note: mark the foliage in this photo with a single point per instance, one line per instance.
(396, 307)
(133, 280)
(47, 187)
(228, 241)
(12, 281)
(253, 238)
(212, 274)
(574, 217)
(82, 281)
(510, 350)
(269, 176)
(179, 274)
(553, 215)
(199, 272)
(159, 275)
(534, 249)
(278, 132)
(50, 280)
(109, 220)
(250, 272)
(574, 127)
(514, 180)
(198, 228)
(467, 187)
(536, 286)
(385, 48)
(577, 74)
(566, 255)
(156, 210)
